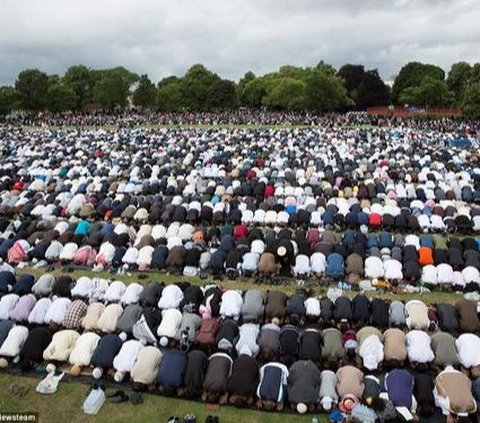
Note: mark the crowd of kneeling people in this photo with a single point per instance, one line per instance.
(398, 204)
(365, 356)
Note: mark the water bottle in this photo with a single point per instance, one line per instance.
(94, 401)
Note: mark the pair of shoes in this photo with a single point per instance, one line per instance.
(173, 419)
(136, 398)
(190, 418)
(118, 397)
(211, 419)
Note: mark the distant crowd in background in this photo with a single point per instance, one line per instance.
(133, 118)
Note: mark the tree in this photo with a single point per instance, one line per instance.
(458, 80)
(475, 74)
(60, 98)
(326, 92)
(412, 74)
(325, 68)
(372, 91)
(431, 92)
(145, 95)
(365, 88)
(81, 80)
(112, 89)
(286, 94)
(195, 86)
(169, 97)
(353, 76)
(222, 94)
(9, 100)
(471, 102)
(246, 79)
(253, 93)
(32, 86)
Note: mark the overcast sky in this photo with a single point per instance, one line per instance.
(161, 37)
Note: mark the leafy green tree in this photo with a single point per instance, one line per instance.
(247, 78)
(431, 92)
(145, 95)
(169, 80)
(81, 80)
(9, 100)
(326, 92)
(286, 93)
(353, 76)
(112, 89)
(325, 68)
(412, 74)
(372, 91)
(365, 88)
(253, 93)
(169, 97)
(60, 98)
(458, 79)
(196, 85)
(222, 94)
(475, 74)
(32, 86)
(471, 101)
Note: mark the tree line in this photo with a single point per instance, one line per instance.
(320, 88)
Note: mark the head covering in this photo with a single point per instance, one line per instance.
(302, 408)
(347, 403)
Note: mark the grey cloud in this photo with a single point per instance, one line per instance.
(165, 37)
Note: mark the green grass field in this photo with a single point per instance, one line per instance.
(242, 284)
(66, 406)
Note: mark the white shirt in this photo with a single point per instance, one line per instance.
(61, 227)
(250, 262)
(231, 304)
(458, 279)
(57, 310)
(258, 246)
(37, 315)
(302, 265)
(468, 347)
(83, 350)
(171, 297)
(115, 292)
(317, 262)
(312, 306)
(374, 267)
(7, 304)
(412, 240)
(127, 356)
(14, 342)
(130, 256)
(418, 347)
(471, 275)
(83, 287)
(248, 337)
(429, 274)
(371, 351)
(444, 273)
(393, 269)
(61, 345)
(68, 251)
(132, 293)
(107, 322)
(171, 319)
